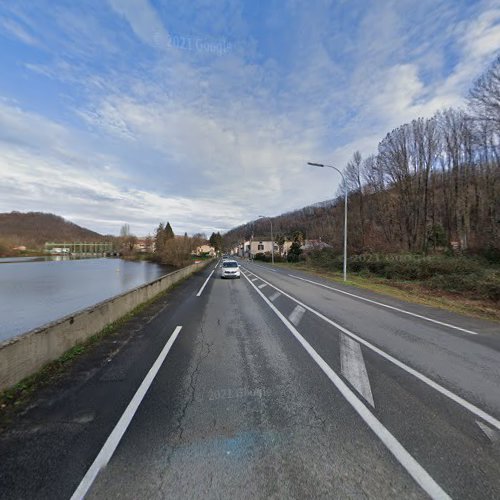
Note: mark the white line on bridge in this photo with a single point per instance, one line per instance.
(416, 471)
(114, 438)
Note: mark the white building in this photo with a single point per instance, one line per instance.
(265, 246)
(205, 249)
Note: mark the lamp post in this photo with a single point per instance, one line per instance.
(321, 165)
(272, 239)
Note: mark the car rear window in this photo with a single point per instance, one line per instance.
(230, 264)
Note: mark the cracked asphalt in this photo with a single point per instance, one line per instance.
(239, 409)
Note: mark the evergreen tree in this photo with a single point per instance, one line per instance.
(160, 238)
(216, 241)
(169, 233)
(295, 250)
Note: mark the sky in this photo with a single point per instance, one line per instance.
(205, 113)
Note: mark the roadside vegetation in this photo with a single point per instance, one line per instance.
(31, 230)
(465, 284)
(423, 211)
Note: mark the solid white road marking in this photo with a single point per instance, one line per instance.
(205, 284)
(296, 315)
(492, 434)
(265, 267)
(387, 306)
(419, 474)
(353, 367)
(454, 397)
(274, 296)
(114, 438)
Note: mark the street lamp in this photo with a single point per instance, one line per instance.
(272, 239)
(321, 165)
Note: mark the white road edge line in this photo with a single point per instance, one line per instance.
(416, 471)
(454, 397)
(205, 284)
(114, 438)
(387, 306)
(353, 367)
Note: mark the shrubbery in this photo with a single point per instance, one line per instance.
(472, 276)
(266, 257)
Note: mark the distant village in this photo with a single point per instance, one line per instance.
(251, 248)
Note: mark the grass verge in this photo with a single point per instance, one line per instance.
(409, 292)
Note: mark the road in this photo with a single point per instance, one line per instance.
(277, 385)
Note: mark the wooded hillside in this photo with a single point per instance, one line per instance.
(33, 229)
(433, 183)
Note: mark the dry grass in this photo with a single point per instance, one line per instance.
(411, 292)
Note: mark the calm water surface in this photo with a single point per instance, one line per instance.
(36, 291)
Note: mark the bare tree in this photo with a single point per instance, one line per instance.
(484, 97)
(354, 181)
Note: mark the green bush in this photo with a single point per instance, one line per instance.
(482, 285)
(470, 276)
(267, 257)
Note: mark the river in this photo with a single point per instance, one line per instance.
(35, 291)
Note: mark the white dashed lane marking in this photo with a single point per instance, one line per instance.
(353, 367)
(296, 315)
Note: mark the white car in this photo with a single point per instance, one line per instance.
(230, 269)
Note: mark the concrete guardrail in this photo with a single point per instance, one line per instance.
(25, 354)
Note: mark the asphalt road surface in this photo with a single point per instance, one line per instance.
(276, 385)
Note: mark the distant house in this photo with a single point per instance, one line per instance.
(60, 251)
(262, 246)
(144, 245)
(205, 250)
(243, 250)
(266, 246)
(314, 245)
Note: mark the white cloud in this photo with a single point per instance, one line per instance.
(17, 31)
(210, 142)
(143, 20)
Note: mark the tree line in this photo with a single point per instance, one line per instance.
(433, 183)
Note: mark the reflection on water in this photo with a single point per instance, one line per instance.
(35, 294)
(43, 258)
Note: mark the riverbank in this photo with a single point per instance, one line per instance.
(81, 360)
(25, 354)
(38, 290)
(23, 253)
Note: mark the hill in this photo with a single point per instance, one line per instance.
(33, 229)
(314, 221)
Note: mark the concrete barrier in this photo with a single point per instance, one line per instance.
(25, 354)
